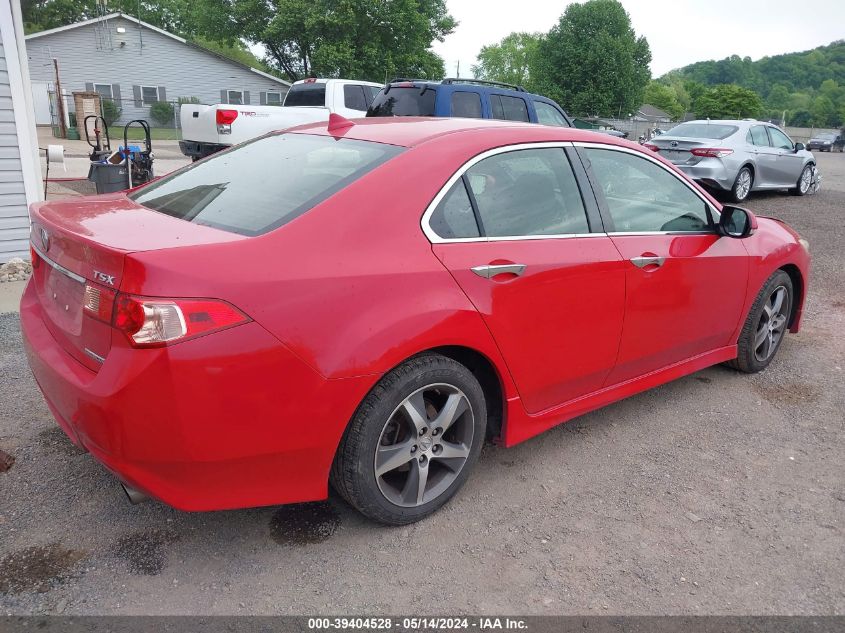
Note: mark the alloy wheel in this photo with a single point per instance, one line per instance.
(806, 179)
(743, 184)
(424, 445)
(772, 325)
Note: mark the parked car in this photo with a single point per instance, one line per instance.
(739, 157)
(824, 142)
(236, 334)
(207, 129)
(466, 98)
(613, 132)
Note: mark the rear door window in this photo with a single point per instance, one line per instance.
(757, 136)
(527, 192)
(466, 104)
(263, 184)
(354, 98)
(404, 101)
(508, 108)
(454, 218)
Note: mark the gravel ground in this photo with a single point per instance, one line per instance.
(718, 493)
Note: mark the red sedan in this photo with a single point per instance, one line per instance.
(364, 304)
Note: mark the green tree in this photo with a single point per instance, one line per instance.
(592, 62)
(824, 112)
(664, 97)
(360, 39)
(728, 101)
(800, 118)
(510, 60)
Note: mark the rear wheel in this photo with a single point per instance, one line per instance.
(765, 327)
(412, 442)
(742, 185)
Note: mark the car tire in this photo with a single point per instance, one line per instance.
(805, 181)
(388, 423)
(765, 327)
(742, 185)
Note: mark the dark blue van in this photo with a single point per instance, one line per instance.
(468, 98)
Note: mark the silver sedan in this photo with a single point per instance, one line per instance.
(739, 157)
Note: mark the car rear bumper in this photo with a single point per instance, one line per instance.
(711, 172)
(198, 149)
(229, 420)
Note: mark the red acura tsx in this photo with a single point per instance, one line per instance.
(364, 304)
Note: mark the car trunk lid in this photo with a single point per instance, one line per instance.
(83, 243)
(677, 149)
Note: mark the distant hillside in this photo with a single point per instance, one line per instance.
(797, 72)
(807, 88)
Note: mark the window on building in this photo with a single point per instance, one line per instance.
(105, 91)
(149, 94)
(235, 97)
(274, 98)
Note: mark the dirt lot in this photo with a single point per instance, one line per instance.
(719, 493)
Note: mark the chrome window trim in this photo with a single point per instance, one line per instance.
(626, 150)
(58, 267)
(434, 238)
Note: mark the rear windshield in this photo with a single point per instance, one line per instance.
(412, 101)
(261, 185)
(306, 95)
(702, 130)
(826, 137)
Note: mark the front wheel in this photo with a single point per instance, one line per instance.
(805, 181)
(765, 327)
(742, 185)
(413, 441)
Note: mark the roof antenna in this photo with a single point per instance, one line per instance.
(338, 122)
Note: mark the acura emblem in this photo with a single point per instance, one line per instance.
(45, 239)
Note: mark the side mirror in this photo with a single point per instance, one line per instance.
(736, 222)
(800, 147)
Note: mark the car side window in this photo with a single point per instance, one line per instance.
(527, 192)
(353, 97)
(757, 136)
(642, 196)
(454, 218)
(547, 114)
(466, 104)
(779, 139)
(508, 108)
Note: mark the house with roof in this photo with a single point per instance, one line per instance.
(650, 114)
(136, 64)
(20, 172)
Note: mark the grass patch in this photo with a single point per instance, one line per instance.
(136, 133)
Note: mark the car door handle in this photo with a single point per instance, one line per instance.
(490, 271)
(642, 262)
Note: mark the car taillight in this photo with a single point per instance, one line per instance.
(224, 120)
(157, 322)
(33, 257)
(651, 146)
(711, 152)
(99, 302)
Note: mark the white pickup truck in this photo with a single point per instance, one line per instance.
(209, 128)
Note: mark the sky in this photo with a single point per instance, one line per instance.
(679, 32)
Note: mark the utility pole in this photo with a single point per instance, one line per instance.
(458, 70)
(60, 102)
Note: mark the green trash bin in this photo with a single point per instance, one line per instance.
(107, 177)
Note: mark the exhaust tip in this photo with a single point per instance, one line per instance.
(135, 496)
